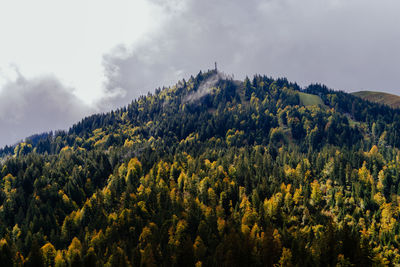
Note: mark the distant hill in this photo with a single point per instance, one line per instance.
(380, 97)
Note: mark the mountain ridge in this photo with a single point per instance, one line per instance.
(307, 97)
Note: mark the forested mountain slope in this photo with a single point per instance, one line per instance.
(210, 172)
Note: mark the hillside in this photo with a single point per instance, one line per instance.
(380, 97)
(309, 100)
(210, 172)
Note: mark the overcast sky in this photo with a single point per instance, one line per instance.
(61, 60)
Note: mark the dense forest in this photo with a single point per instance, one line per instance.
(210, 172)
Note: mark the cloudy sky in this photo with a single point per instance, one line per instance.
(62, 60)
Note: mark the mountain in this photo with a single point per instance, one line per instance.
(380, 97)
(210, 172)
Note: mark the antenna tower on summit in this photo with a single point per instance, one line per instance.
(216, 66)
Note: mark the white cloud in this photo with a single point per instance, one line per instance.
(29, 106)
(68, 38)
